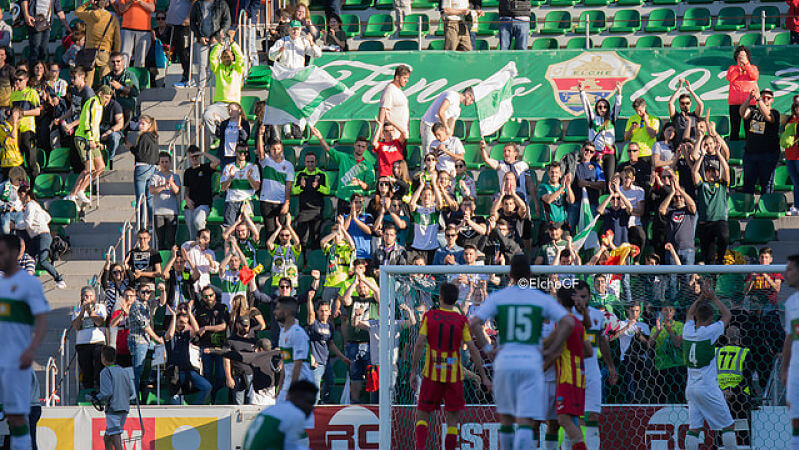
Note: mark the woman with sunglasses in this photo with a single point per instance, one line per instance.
(743, 77)
(230, 132)
(425, 174)
(602, 127)
(463, 184)
(114, 281)
(401, 178)
(792, 158)
(664, 152)
(384, 192)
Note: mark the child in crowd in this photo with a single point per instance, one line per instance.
(78, 42)
(116, 391)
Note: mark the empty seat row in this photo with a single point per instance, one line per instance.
(487, 4)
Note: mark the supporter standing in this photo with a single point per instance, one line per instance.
(393, 102)
(145, 154)
(321, 332)
(446, 108)
(141, 332)
(424, 215)
(233, 131)
(642, 169)
(762, 149)
(165, 188)
(277, 175)
(792, 23)
(616, 212)
(712, 192)
(137, 36)
(116, 392)
(514, 24)
(201, 260)
(6, 77)
(9, 200)
(142, 261)
(114, 282)
(285, 253)
(177, 17)
(198, 189)
(685, 118)
(450, 253)
(290, 51)
(119, 319)
(78, 93)
(35, 222)
(124, 84)
(642, 129)
(356, 171)
(588, 175)
(294, 344)
(227, 65)
(38, 17)
(209, 20)
(212, 318)
(389, 145)
(240, 179)
(679, 212)
(111, 128)
(178, 337)
(743, 76)
(339, 249)
(602, 127)
(87, 144)
(636, 196)
(633, 339)
(246, 233)
(238, 374)
(102, 35)
(664, 152)
(447, 149)
(456, 30)
(88, 320)
(792, 157)
(311, 185)
(26, 98)
(669, 363)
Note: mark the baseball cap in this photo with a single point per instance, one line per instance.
(105, 90)
(244, 320)
(766, 91)
(295, 24)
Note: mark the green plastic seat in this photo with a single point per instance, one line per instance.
(772, 18)
(371, 46)
(142, 75)
(749, 251)
(488, 25)
(734, 228)
(695, 19)
(330, 130)
(596, 21)
(516, 131)
(783, 38)
(782, 181)
(248, 105)
(319, 21)
(626, 21)
(730, 18)
(471, 156)
(759, 231)
(414, 129)
(354, 128)
(615, 42)
(740, 205)
(410, 28)
(649, 42)
(557, 22)
(436, 45)
(751, 39)
(736, 152)
(474, 134)
(350, 25)
(661, 20)
(563, 3)
(56, 32)
(685, 41)
(545, 44)
(564, 149)
(384, 4)
(413, 155)
(592, 3)
(482, 206)
(578, 43)
(379, 25)
(406, 45)
(19, 34)
(63, 212)
(722, 124)
(629, 2)
(537, 156)
(356, 4)
(423, 4)
(161, 5)
(217, 213)
(730, 286)
(666, 2)
(577, 131)
(535, 3)
(47, 185)
(547, 131)
(719, 40)
(771, 206)
(481, 45)
(58, 161)
(487, 183)
(315, 260)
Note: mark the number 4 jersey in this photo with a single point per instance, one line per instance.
(519, 315)
(700, 352)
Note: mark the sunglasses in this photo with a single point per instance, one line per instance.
(589, 150)
(19, 79)
(685, 103)
(385, 183)
(452, 235)
(145, 291)
(285, 235)
(285, 286)
(208, 295)
(633, 149)
(117, 272)
(460, 165)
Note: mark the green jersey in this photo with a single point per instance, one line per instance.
(350, 168)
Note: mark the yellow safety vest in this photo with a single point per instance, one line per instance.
(730, 361)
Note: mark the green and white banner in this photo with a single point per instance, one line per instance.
(546, 84)
(300, 95)
(493, 99)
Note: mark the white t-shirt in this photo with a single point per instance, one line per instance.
(445, 162)
(374, 342)
(274, 177)
(634, 196)
(700, 345)
(519, 314)
(200, 259)
(231, 139)
(454, 110)
(396, 104)
(629, 334)
(662, 151)
(90, 333)
(240, 189)
(22, 300)
(295, 345)
(792, 327)
(454, 4)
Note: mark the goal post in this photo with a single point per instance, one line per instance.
(654, 286)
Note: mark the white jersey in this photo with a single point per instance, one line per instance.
(551, 374)
(699, 347)
(454, 109)
(295, 346)
(519, 314)
(240, 188)
(22, 299)
(281, 426)
(274, 176)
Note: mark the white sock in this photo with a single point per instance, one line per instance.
(592, 437)
(21, 442)
(728, 440)
(523, 438)
(567, 442)
(691, 442)
(551, 445)
(506, 440)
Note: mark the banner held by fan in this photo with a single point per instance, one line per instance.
(493, 99)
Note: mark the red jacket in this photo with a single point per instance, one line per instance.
(742, 81)
(792, 21)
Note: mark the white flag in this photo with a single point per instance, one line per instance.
(303, 94)
(493, 99)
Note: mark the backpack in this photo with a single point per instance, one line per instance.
(59, 247)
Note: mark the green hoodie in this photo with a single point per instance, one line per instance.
(228, 78)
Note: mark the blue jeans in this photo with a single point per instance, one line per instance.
(138, 346)
(38, 46)
(112, 142)
(239, 394)
(513, 28)
(323, 379)
(201, 384)
(40, 249)
(759, 169)
(141, 185)
(793, 172)
(7, 218)
(213, 372)
(687, 258)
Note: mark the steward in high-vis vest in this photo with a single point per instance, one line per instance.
(737, 379)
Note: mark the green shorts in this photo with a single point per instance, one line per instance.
(84, 151)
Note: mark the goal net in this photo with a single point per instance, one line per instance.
(644, 310)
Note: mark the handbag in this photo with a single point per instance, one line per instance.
(86, 57)
(41, 23)
(160, 56)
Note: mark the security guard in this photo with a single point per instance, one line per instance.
(736, 376)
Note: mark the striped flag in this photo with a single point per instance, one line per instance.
(302, 95)
(493, 99)
(586, 236)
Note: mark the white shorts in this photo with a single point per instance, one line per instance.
(517, 392)
(593, 387)
(550, 410)
(792, 394)
(15, 390)
(707, 404)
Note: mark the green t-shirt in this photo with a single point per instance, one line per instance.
(609, 301)
(550, 251)
(555, 211)
(711, 201)
(666, 354)
(339, 259)
(349, 168)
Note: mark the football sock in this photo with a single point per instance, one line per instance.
(551, 441)
(591, 435)
(421, 434)
(451, 440)
(692, 440)
(20, 437)
(523, 439)
(728, 440)
(506, 437)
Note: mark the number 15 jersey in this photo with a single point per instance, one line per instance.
(519, 314)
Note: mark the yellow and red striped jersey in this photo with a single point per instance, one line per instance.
(571, 368)
(446, 330)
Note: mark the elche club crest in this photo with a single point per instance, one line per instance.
(599, 72)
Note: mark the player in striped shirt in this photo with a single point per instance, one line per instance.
(282, 426)
(443, 333)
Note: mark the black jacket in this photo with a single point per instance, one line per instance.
(220, 13)
(146, 149)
